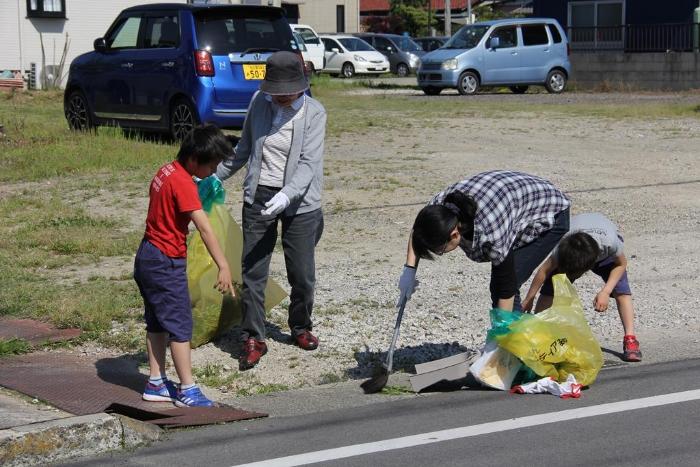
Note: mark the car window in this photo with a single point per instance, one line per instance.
(331, 44)
(300, 42)
(355, 45)
(467, 37)
(383, 44)
(507, 35)
(162, 31)
(126, 34)
(406, 44)
(227, 31)
(556, 37)
(308, 35)
(534, 34)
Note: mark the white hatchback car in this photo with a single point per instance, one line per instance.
(314, 45)
(349, 55)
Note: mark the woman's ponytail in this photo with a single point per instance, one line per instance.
(466, 212)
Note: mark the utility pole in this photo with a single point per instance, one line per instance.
(469, 11)
(448, 18)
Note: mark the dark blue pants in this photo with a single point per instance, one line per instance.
(300, 234)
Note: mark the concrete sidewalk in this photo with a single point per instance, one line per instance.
(33, 433)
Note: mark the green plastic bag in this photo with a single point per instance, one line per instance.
(213, 314)
(558, 341)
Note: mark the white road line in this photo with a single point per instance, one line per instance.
(475, 430)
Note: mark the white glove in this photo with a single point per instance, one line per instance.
(276, 205)
(407, 284)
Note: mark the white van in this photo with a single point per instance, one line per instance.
(313, 44)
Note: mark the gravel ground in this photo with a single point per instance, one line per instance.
(643, 174)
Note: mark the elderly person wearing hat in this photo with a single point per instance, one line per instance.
(282, 143)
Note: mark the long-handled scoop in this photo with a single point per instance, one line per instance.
(379, 380)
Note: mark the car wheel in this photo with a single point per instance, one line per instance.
(402, 70)
(556, 82)
(468, 83)
(77, 112)
(519, 89)
(432, 91)
(182, 119)
(348, 71)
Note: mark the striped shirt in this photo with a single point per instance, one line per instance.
(513, 209)
(278, 142)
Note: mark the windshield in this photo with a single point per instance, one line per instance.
(355, 45)
(227, 30)
(300, 41)
(466, 38)
(407, 45)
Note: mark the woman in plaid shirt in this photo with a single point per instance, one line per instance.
(512, 219)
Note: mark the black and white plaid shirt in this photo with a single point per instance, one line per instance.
(513, 209)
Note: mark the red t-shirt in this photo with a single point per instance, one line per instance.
(173, 196)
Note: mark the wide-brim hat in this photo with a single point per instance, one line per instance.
(284, 74)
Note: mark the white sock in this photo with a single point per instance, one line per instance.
(157, 380)
(185, 387)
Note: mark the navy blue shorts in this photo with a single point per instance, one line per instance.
(162, 282)
(601, 269)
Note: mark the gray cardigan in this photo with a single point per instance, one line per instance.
(303, 174)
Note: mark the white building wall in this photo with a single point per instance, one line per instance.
(320, 15)
(85, 21)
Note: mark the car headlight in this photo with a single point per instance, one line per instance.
(414, 60)
(450, 64)
(360, 59)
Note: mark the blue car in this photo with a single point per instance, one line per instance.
(510, 52)
(169, 67)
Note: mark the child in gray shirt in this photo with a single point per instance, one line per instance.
(593, 243)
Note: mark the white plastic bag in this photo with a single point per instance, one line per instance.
(496, 367)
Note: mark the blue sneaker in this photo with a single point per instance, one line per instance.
(164, 392)
(192, 397)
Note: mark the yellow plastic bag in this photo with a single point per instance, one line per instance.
(213, 313)
(558, 341)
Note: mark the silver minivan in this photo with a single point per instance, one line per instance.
(509, 52)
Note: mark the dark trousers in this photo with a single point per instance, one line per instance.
(300, 234)
(527, 258)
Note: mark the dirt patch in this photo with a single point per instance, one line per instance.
(642, 173)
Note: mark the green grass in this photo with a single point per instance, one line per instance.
(14, 347)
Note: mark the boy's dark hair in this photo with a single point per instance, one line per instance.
(576, 254)
(435, 223)
(204, 144)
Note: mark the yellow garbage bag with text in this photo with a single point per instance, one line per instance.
(214, 313)
(558, 341)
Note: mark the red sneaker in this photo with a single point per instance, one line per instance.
(253, 350)
(630, 349)
(307, 341)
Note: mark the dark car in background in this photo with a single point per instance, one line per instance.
(431, 43)
(169, 67)
(403, 54)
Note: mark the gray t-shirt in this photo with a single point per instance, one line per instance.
(603, 231)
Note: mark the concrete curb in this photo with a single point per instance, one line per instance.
(62, 439)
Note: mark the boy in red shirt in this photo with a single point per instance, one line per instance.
(160, 265)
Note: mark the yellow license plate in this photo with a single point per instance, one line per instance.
(254, 71)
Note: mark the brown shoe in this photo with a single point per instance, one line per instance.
(306, 340)
(253, 350)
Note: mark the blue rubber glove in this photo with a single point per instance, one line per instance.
(407, 284)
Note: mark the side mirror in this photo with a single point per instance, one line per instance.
(100, 44)
(389, 50)
(335, 49)
(495, 42)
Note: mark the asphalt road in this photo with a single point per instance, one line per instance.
(633, 415)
